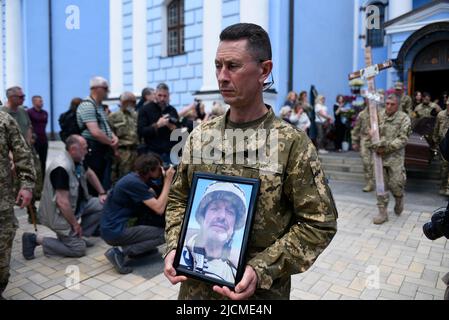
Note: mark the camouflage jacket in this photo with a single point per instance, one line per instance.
(441, 126)
(11, 140)
(406, 104)
(360, 132)
(394, 133)
(295, 217)
(124, 125)
(424, 110)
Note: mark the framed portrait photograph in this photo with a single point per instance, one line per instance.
(216, 227)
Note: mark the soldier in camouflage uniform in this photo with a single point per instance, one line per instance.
(295, 216)
(395, 129)
(124, 125)
(426, 108)
(361, 140)
(405, 102)
(441, 127)
(11, 141)
(14, 106)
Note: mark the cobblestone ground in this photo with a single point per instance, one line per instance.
(364, 261)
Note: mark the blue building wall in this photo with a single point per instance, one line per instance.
(36, 51)
(230, 12)
(420, 3)
(182, 73)
(127, 45)
(278, 30)
(323, 46)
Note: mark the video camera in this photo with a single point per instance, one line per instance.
(438, 226)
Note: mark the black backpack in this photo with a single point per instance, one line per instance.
(68, 124)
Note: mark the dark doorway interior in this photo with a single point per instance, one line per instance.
(433, 82)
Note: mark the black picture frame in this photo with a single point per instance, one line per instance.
(191, 258)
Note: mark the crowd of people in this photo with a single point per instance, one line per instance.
(116, 180)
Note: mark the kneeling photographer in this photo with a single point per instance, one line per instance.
(439, 224)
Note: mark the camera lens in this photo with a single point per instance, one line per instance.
(430, 232)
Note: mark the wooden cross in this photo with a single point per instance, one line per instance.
(369, 73)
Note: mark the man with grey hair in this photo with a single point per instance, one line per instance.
(95, 128)
(65, 202)
(124, 125)
(14, 106)
(394, 129)
(156, 122)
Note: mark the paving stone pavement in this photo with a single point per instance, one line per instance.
(394, 261)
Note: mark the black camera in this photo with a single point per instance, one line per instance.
(438, 225)
(173, 120)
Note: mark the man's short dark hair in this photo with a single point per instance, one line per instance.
(162, 86)
(12, 90)
(426, 94)
(258, 39)
(147, 163)
(36, 97)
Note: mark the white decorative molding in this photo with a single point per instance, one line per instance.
(139, 45)
(397, 8)
(116, 47)
(259, 14)
(411, 26)
(14, 48)
(211, 33)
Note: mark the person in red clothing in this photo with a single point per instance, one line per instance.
(39, 119)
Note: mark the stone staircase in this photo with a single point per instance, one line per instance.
(348, 167)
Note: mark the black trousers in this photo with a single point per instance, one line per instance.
(42, 151)
(99, 159)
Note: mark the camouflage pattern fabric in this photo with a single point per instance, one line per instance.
(406, 105)
(295, 216)
(11, 140)
(124, 125)
(361, 137)
(8, 227)
(424, 110)
(441, 127)
(394, 133)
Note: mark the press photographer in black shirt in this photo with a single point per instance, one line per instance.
(155, 124)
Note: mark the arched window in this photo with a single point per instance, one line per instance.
(175, 27)
(375, 25)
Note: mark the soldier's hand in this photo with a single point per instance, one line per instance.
(162, 122)
(380, 151)
(355, 147)
(102, 198)
(24, 198)
(169, 271)
(244, 289)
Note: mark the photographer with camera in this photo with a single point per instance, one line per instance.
(155, 123)
(192, 115)
(439, 224)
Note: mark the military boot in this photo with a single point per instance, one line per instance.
(369, 187)
(399, 206)
(381, 217)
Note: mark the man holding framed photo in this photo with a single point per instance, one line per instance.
(295, 216)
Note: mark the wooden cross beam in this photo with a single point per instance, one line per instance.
(369, 74)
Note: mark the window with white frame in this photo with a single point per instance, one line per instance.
(175, 27)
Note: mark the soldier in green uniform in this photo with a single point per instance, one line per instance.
(12, 143)
(295, 216)
(405, 101)
(424, 110)
(361, 141)
(441, 127)
(14, 106)
(395, 129)
(124, 125)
